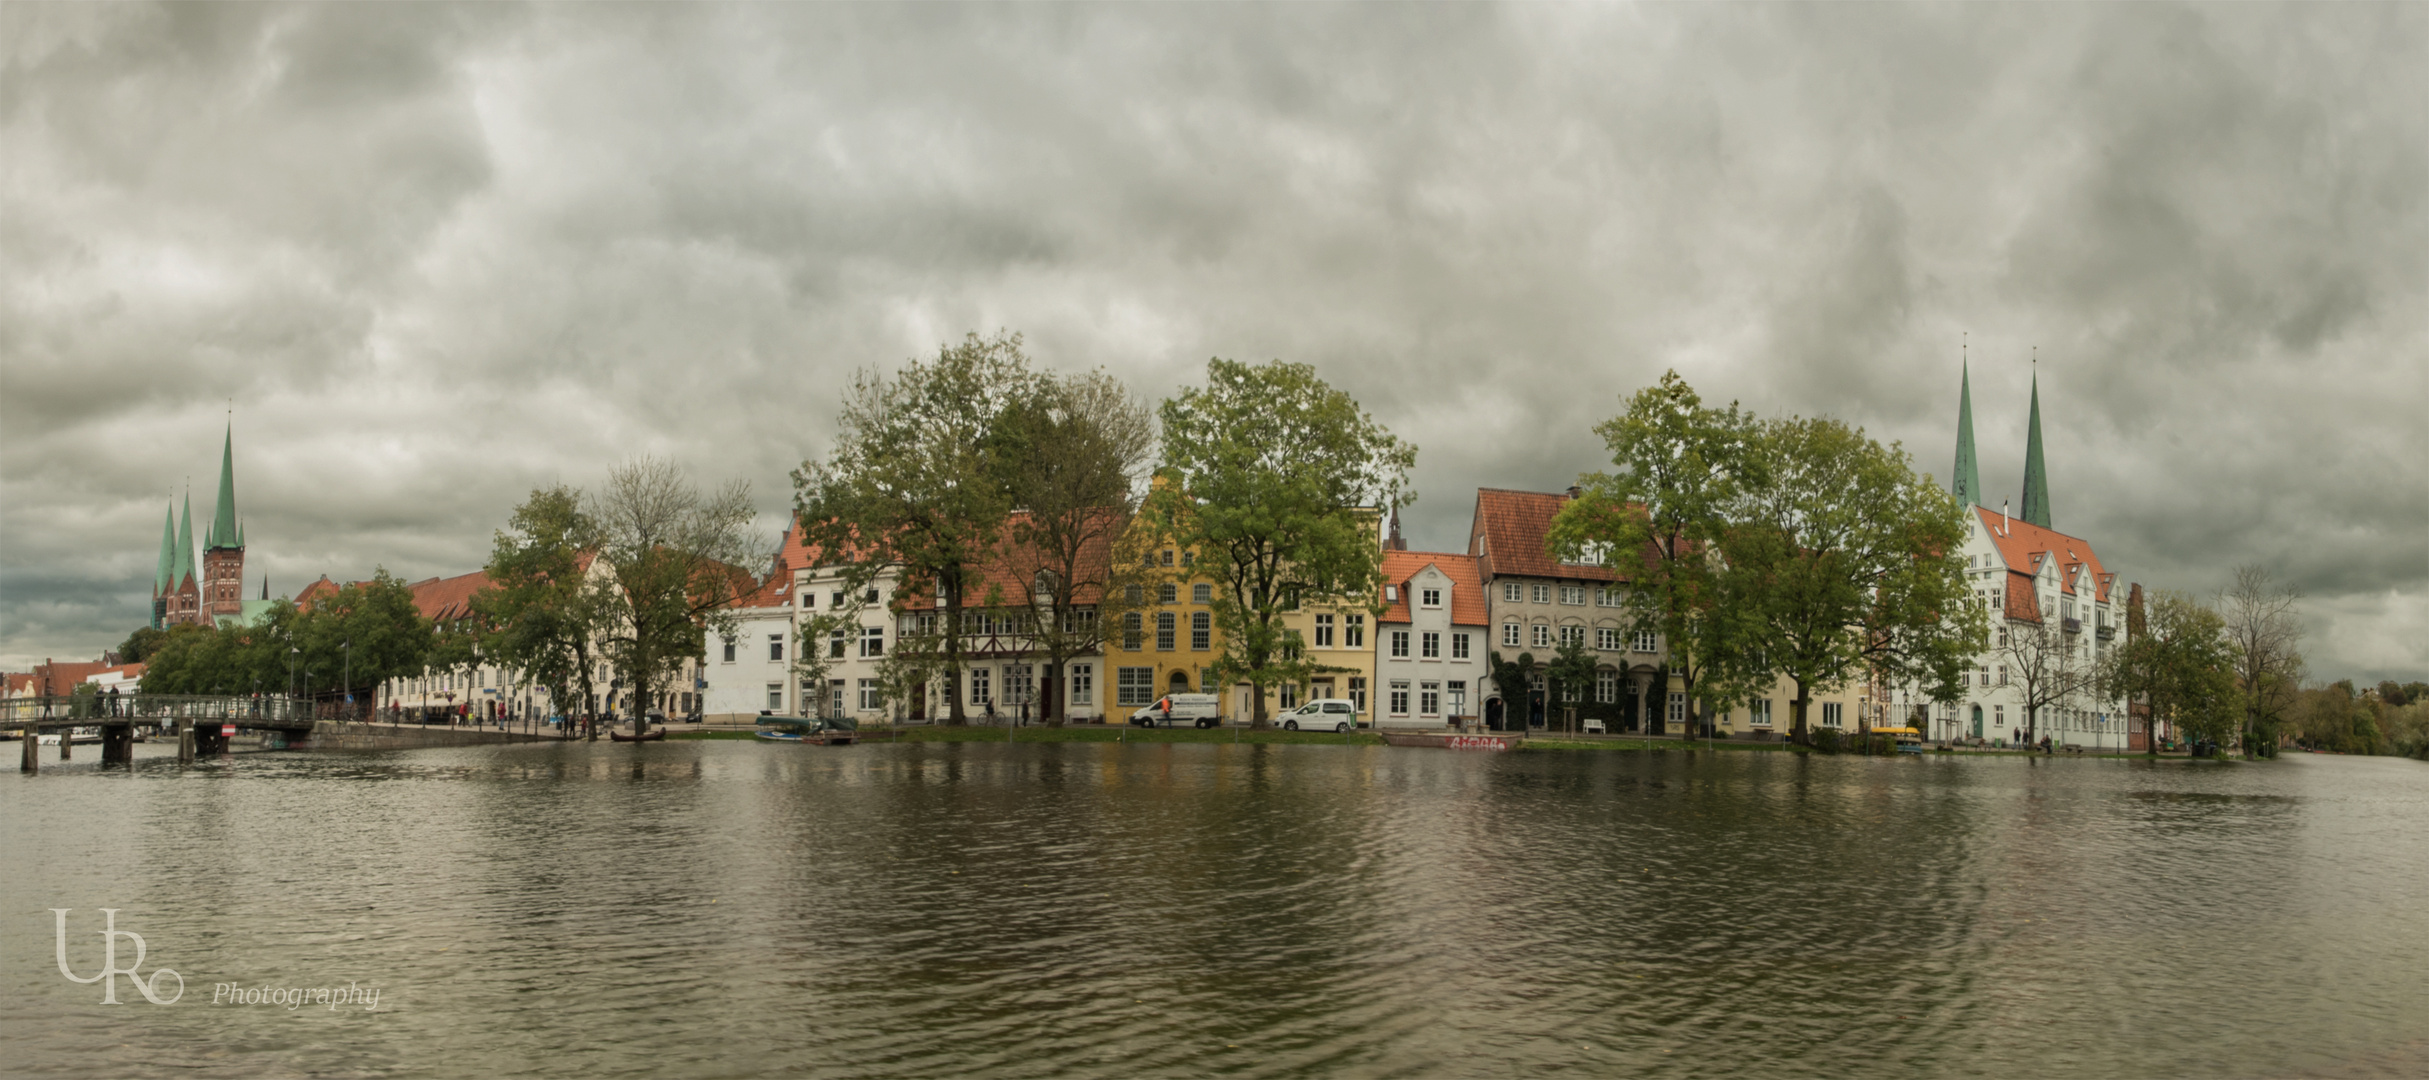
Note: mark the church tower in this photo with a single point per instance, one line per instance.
(184, 596)
(2036, 475)
(162, 583)
(223, 548)
(1965, 481)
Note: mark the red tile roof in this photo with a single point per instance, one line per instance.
(1005, 574)
(447, 599)
(1467, 584)
(2019, 541)
(1509, 532)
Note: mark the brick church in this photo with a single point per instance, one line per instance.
(215, 592)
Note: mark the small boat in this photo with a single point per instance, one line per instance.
(1452, 740)
(652, 735)
(838, 731)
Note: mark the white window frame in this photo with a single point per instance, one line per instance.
(1399, 644)
(1509, 633)
(1429, 645)
(1459, 646)
(1399, 697)
(1429, 699)
(1542, 636)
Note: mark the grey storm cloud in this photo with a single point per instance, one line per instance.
(429, 257)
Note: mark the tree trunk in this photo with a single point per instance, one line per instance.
(950, 585)
(1796, 725)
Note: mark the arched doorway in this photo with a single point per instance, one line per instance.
(1179, 684)
(1977, 721)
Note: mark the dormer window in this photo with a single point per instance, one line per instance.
(1430, 598)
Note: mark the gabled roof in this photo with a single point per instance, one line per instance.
(1004, 576)
(1467, 585)
(2018, 542)
(1509, 532)
(447, 599)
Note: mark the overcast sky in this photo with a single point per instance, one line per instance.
(432, 257)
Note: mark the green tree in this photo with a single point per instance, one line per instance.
(1679, 471)
(141, 644)
(1843, 558)
(1569, 678)
(675, 558)
(1515, 678)
(365, 634)
(1278, 483)
(206, 659)
(2174, 668)
(1077, 451)
(541, 613)
(915, 486)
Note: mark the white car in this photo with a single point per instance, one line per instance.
(1173, 710)
(1322, 714)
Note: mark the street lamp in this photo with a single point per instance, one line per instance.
(349, 647)
(292, 653)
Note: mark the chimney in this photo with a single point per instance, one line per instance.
(2003, 517)
(1575, 491)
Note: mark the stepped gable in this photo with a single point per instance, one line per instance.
(1467, 585)
(2018, 541)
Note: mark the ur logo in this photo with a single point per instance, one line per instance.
(110, 933)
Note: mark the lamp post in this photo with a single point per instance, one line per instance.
(349, 699)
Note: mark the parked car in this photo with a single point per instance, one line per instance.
(1196, 710)
(1322, 714)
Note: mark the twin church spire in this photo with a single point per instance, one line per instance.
(184, 591)
(1965, 480)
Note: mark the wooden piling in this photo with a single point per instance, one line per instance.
(67, 738)
(185, 742)
(33, 747)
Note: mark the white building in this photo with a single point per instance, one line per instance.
(1430, 642)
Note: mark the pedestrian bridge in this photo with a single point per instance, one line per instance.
(202, 724)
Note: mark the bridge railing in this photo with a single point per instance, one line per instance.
(165, 708)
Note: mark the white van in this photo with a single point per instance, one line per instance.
(1322, 714)
(1196, 710)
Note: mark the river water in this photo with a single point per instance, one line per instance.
(724, 909)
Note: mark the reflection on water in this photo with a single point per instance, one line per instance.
(737, 909)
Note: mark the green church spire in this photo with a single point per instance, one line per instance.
(1965, 481)
(183, 568)
(2036, 475)
(161, 582)
(224, 531)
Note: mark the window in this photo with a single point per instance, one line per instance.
(1018, 678)
(869, 597)
(808, 599)
(1399, 697)
(1201, 593)
(1644, 641)
(1542, 636)
(1830, 714)
(1573, 594)
(868, 694)
(2002, 674)
(1083, 682)
(1678, 708)
(1400, 644)
(1131, 593)
(729, 650)
(775, 697)
(1134, 686)
(1573, 635)
(1759, 711)
(1167, 593)
(1353, 631)
(1167, 558)
(775, 646)
(1459, 646)
(1357, 691)
(1290, 695)
(872, 641)
(1998, 717)
(1606, 686)
(981, 690)
(1131, 636)
(1509, 632)
(1542, 594)
(835, 599)
(1429, 645)
(835, 645)
(1429, 598)
(1606, 597)
(1510, 591)
(1163, 631)
(1324, 631)
(1429, 699)
(1606, 638)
